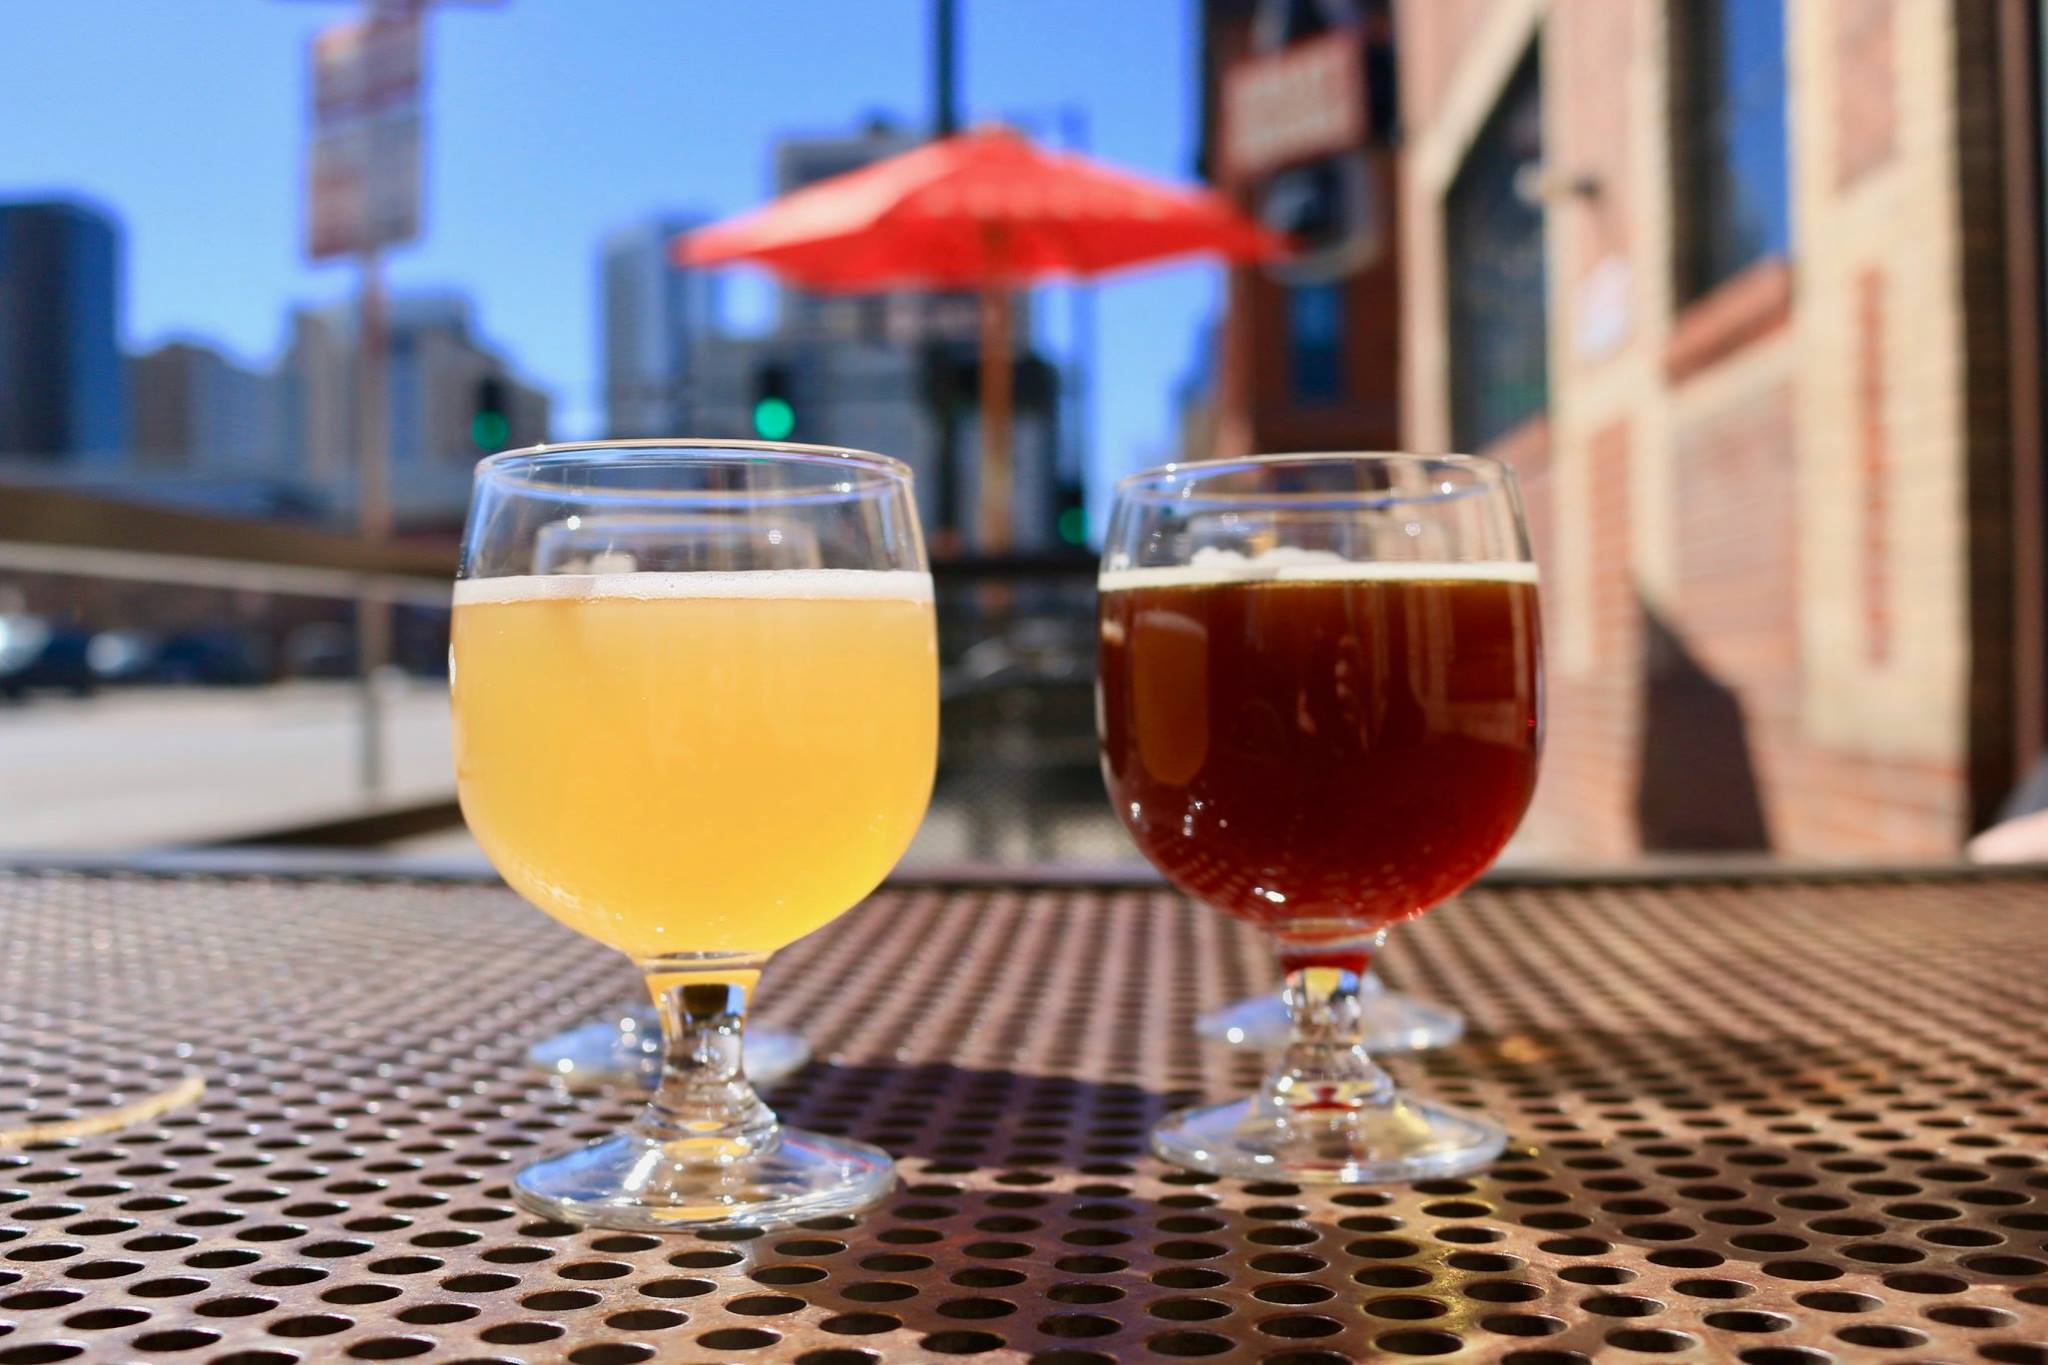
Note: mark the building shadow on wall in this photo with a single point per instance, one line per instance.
(1696, 787)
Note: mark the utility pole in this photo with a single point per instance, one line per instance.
(373, 505)
(938, 348)
(368, 93)
(945, 68)
(1080, 322)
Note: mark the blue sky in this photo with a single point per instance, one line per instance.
(550, 121)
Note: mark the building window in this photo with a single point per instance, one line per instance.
(1732, 204)
(1493, 228)
(1315, 342)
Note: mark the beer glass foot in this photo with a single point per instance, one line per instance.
(1393, 1022)
(1404, 1139)
(636, 1182)
(624, 1049)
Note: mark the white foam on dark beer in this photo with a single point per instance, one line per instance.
(1290, 565)
(901, 585)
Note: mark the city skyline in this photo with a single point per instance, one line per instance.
(184, 421)
(61, 363)
(521, 190)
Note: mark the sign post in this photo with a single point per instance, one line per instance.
(1293, 126)
(1294, 104)
(364, 195)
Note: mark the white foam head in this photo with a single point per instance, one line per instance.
(802, 584)
(1290, 564)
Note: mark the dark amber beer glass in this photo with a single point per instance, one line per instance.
(1321, 711)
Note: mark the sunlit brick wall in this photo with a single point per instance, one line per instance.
(1751, 510)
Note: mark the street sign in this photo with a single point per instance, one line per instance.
(363, 177)
(1296, 122)
(1284, 107)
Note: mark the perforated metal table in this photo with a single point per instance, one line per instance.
(1773, 1120)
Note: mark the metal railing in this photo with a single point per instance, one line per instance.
(61, 534)
(1017, 782)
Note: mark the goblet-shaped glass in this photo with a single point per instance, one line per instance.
(706, 739)
(1320, 708)
(623, 1046)
(1389, 1021)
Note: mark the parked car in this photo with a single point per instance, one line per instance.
(21, 639)
(320, 649)
(122, 656)
(213, 657)
(38, 657)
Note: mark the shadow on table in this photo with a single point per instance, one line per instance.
(976, 1117)
(965, 1269)
(1018, 1224)
(1662, 1209)
(1752, 1170)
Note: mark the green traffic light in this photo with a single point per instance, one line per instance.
(774, 419)
(1074, 526)
(490, 430)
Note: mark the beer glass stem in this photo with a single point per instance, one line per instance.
(1325, 1067)
(705, 1110)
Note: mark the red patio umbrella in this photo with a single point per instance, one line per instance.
(987, 211)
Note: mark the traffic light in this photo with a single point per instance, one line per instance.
(1072, 521)
(946, 372)
(774, 413)
(490, 424)
(952, 375)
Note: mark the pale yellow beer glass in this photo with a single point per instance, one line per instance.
(699, 739)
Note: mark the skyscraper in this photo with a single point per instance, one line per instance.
(857, 370)
(867, 366)
(656, 316)
(903, 316)
(61, 369)
(440, 373)
(316, 380)
(195, 408)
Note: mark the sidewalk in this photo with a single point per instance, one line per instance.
(153, 766)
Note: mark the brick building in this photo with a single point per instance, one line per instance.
(1298, 125)
(1747, 291)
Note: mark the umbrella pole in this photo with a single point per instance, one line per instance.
(995, 419)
